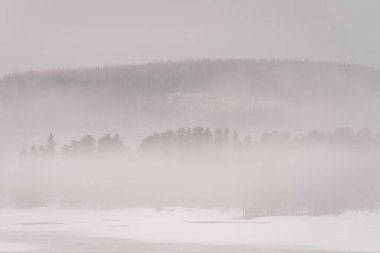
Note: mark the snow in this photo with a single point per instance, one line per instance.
(10, 247)
(352, 231)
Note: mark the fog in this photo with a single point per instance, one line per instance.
(279, 173)
(271, 136)
(265, 107)
(134, 101)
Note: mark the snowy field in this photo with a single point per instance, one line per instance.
(183, 230)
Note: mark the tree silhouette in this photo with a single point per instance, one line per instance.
(50, 146)
(110, 145)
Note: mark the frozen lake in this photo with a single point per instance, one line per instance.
(183, 230)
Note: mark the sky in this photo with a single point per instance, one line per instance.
(51, 34)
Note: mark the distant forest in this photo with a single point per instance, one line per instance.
(251, 95)
(276, 171)
(261, 79)
(275, 174)
(201, 137)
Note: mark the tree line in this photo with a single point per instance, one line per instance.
(272, 178)
(86, 145)
(201, 137)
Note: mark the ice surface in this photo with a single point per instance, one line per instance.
(352, 231)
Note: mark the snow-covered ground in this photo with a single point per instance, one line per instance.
(15, 247)
(352, 231)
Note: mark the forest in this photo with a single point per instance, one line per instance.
(248, 139)
(277, 173)
(202, 137)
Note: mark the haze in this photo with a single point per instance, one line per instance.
(189, 126)
(50, 34)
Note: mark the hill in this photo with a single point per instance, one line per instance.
(135, 100)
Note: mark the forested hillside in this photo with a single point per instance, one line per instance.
(135, 100)
(259, 79)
